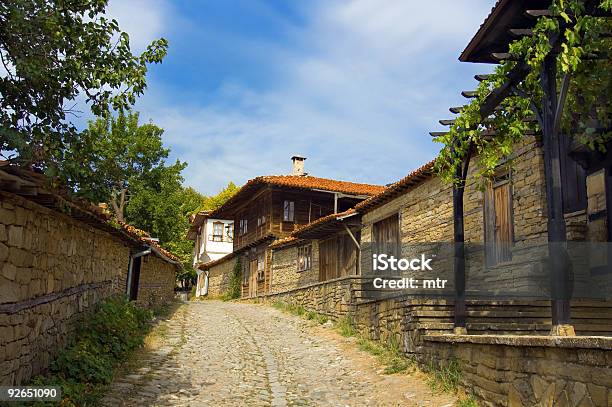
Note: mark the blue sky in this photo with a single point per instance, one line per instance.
(355, 86)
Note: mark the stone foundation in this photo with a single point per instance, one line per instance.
(514, 371)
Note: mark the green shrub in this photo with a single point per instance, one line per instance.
(104, 338)
(235, 282)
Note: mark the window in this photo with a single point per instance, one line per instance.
(289, 211)
(244, 227)
(260, 266)
(498, 221)
(386, 236)
(229, 232)
(217, 234)
(304, 258)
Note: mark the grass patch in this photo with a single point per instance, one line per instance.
(299, 310)
(389, 355)
(467, 402)
(105, 338)
(346, 327)
(444, 378)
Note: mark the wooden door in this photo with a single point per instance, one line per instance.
(498, 223)
(253, 278)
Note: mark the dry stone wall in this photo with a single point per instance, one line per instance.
(285, 275)
(219, 278)
(156, 285)
(53, 269)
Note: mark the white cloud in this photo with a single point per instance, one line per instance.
(143, 20)
(365, 82)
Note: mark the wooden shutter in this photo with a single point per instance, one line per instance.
(328, 260)
(573, 180)
(386, 235)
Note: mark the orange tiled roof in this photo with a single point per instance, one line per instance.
(145, 238)
(285, 241)
(309, 182)
(299, 182)
(325, 219)
(414, 178)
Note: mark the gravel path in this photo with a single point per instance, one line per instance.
(214, 353)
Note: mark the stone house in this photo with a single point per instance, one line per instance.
(213, 239)
(270, 208)
(58, 258)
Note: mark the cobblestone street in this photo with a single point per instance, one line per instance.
(226, 354)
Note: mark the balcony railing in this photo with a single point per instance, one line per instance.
(220, 238)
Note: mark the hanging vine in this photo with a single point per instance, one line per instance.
(583, 48)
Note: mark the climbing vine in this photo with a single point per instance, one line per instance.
(583, 55)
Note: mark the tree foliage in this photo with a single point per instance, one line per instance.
(215, 201)
(53, 52)
(583, 55)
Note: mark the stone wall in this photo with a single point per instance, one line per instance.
(511, 371)
(219, 277)
(333, 298)
(285, 276)
(156, 284)
(53, 269)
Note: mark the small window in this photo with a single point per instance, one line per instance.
(289, 211)
(217, 235)
(260, 266)
(304, 258)
(498, 221)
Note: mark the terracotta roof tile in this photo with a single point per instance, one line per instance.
(414, 178)
(308, 182)
(299, 182)
(324, 220)
(285, 241)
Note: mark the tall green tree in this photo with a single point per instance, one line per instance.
(51, 52)
(116, 155)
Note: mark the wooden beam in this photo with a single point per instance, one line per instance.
(482, 77)
(521, 32)
(456, 110)
(538, 13)
(448, 122)
(469, 94)
(437, 133)
(503, 56)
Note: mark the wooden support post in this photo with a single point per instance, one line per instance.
(559, 261)
(460, 310)
(459, 260)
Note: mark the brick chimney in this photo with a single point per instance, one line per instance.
(298, 165)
